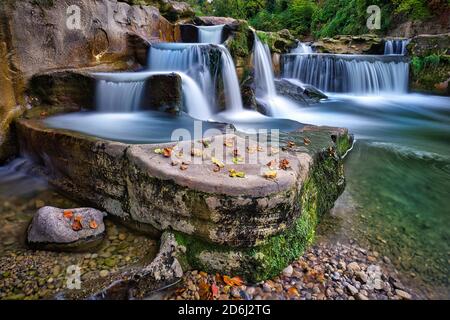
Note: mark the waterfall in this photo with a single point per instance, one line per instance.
(349, 73)
(123, 92)
(264, 77)
(396, 46)
(195, 61)
(192, 59)
(266, 94)
(302, 48)
(233, 98)
(119, 96)
(210, 34)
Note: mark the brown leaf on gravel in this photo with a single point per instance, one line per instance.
(204, 290)
(293, 292)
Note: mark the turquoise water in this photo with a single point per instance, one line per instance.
(398, 181)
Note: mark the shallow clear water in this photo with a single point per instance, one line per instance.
(398, 180)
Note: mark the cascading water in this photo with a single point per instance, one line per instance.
(210, 34)
(233, 98)
(302, 48)
(116, 96)
(349, 73)
(266, 93)
(264, 76)
(396, 46)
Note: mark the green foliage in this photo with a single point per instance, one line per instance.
(324, 18)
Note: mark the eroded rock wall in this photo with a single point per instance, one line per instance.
(37, 36)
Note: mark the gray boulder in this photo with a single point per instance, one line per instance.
(66, 229)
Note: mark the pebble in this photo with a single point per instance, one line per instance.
(352, 289)
(354, 267)
(104, 273)
(288, 271)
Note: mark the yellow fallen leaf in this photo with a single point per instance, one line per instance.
(236, 174)
(237, 160)
(217, 162)
(271, 175)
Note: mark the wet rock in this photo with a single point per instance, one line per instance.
(52, 229)
(176, 10)
(346, 44)
(297, 91)
(353, 267)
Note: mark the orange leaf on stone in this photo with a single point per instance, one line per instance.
(76, 225)
(306, 141)
(68, 214)
(78, 218)
(167, 152)
(93, 224)
(284, 164)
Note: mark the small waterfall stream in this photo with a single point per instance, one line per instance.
(210, 34)
(119, 96)
(396, 46)
(302, 48)
(356, 74)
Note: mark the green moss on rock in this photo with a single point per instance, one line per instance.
(258, 263)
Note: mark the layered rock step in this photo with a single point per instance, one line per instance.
(238, 205)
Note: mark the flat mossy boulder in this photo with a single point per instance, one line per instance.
(279, 42)
(430, 63)
(219, 195)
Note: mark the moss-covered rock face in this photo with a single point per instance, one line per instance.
(279, 42)
(322, 186)
(430, 64)
(363, 44)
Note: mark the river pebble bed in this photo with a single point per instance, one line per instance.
(325, 272)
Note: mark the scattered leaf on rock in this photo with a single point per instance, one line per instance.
(233, 282)
(291, 144)
(251, 150)
(284, 164)
(159, 151)
(237, 160)
(184, 167)
(206, 143)
(93, 224)
(272, 164)
(196, 152)
(217, 162)
(271, 175)
(175, 163)
(167, 152)
(274, 151)
(78, 218)
(216, 168)
(306, 141)
(236, 174)
(68, 214)
(228, 143)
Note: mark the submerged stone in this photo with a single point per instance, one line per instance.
(66, 230)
